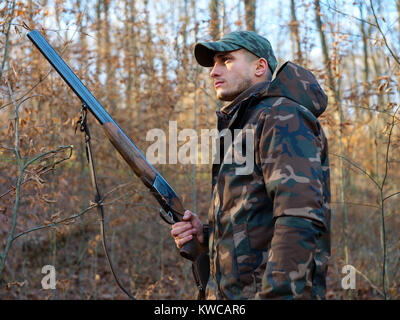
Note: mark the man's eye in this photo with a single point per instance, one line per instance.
(225, 59)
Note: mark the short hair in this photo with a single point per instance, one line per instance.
(250, 57)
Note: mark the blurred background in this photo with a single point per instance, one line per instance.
(136, 57)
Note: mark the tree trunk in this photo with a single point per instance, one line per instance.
(250, 14)
(295, 34)
(109, 60)
(99, 38)
(214, 23)
(365, 56)
(130, 54)
(148, 68)
(337, 102)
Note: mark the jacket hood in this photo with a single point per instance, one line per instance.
(298, 84)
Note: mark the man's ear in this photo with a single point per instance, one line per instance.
(261, 67)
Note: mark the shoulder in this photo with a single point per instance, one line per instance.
(281, 111)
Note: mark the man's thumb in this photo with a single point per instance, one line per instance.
(187, 215)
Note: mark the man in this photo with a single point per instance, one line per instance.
(268, 232)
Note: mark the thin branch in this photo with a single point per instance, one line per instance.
(388, 148)
(73, 217)
(27, 92)
(39, 82)
(346, 14)
(383, 35)
(356, 204)
(6, 148)
(39, 172)
(369, 281)
(392, 195)
(43, 226)
(7, 38)
(358, 167)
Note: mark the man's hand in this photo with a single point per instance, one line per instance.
(183, 231)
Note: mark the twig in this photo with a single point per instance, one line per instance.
(43, 226)
(356, 204)
(39, 172)
(346, 14)
(37, 83)
(27, 92)
(116, 188)
(392, 195)
(358, 167)
(73, 217)
(7, 38)
(383, 35)
(369, 281)
(388, 147)
(6, 148)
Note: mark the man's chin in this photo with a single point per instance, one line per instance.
(223, 96)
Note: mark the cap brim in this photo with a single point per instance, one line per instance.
(204, 51)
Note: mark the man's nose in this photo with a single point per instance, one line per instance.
(215, 71)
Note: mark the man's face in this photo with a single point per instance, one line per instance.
(232, 73)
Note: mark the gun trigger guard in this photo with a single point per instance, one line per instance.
(163, 215)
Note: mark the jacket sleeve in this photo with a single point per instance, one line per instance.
(293, 159)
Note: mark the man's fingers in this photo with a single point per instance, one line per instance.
(182, 241)
(181, 233)
(181, 224)
(187, 233)
(180, 227)
(186, 229)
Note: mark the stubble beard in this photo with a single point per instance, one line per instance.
(234, 92)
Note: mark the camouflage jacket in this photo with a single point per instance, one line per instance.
(269, 229)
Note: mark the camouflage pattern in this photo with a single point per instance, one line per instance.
(249, 40)
(269, 231)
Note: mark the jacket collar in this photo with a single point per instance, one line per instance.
(235, 110)
(255, 90)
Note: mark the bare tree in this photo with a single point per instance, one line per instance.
(250, 14)
(295, 34)
(214, 23)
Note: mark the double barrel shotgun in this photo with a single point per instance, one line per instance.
(161, 190)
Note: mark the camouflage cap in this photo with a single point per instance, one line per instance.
(249, 40)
